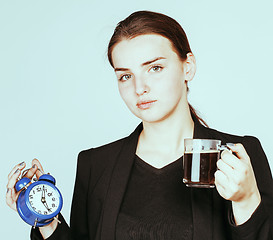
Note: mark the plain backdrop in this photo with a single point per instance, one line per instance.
(58, 93)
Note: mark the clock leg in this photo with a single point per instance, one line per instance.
(57, 220)
(36, 220)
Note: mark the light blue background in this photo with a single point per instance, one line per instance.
(58, 94)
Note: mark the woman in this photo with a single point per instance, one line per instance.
(132, 188)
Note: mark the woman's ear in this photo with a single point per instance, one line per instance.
(189, 67)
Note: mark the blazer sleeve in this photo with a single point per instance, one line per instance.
(260, 224)
(78, 219)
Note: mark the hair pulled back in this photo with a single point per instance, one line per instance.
(147, 22)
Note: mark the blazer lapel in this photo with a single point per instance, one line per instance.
(119, 179)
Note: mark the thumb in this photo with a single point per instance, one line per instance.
(239, 150)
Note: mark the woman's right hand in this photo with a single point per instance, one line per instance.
(12, 194)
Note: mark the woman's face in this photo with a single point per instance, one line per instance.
(151, 77)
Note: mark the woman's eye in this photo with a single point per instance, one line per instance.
(156, 68)
(125, 77)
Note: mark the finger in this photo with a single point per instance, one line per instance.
(13, 178)
(31, 172)
(233, 175)
(231, 159)
(14, 194)
(239, 150)
(20, 166)
(9, 199)
(220, 188)
(221, 178)
(39, 167)
(225, 168)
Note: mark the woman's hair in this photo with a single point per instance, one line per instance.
(147, 22)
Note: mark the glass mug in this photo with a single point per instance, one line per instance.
(199, 161)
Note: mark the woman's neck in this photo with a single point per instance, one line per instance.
(163, 142)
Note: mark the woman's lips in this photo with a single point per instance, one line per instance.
(145, 104)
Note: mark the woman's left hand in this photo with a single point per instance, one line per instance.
(235, 181)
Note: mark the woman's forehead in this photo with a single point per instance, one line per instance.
(140, 49)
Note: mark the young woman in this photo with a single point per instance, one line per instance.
(132, 188)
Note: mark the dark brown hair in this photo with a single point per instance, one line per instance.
(147, 22)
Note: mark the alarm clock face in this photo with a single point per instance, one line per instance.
(44, 199)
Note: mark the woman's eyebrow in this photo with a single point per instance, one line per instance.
(121, 69)
(151, 61)
(143, 64)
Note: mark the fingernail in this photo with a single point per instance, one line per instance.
(17, 170)
(34, 165)
(22, 163)
(41, 171)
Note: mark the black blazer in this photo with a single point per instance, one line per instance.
(102, 176)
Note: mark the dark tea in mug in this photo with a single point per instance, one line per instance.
(199, 162)
(199, 168)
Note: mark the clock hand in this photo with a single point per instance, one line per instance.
(43, 194)
(44, 200)
(45, 204)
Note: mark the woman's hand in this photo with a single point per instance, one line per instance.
(235, 181)
(12, 195)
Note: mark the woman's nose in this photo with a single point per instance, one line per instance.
(141, 86)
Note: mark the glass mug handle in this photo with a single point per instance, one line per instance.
(225, 147)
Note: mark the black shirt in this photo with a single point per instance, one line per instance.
(156, 204)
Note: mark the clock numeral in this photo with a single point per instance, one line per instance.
(31, 203)
(39, 189)
(34, 208)
(39, 211)
(49, 194)
(30, 196)
(45, 213)
(53, 199)
(53, 205)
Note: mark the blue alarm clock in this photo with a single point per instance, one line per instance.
(39, 202)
